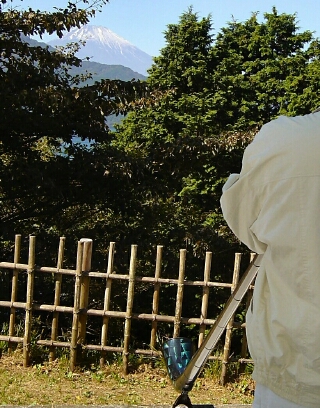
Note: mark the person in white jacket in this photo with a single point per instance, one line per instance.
(273, 206)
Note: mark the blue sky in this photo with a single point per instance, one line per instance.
(142, 22)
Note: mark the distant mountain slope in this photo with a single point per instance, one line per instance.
(35, 43)
(106, 47)
(104, 71)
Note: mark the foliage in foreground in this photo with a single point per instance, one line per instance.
(158, 179)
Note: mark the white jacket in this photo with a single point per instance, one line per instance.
(273, 206)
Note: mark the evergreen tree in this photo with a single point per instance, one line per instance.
(264, 70)
(218, 92)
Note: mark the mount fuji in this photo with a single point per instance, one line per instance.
(104, 46)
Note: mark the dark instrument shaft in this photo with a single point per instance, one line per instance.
(186, 380)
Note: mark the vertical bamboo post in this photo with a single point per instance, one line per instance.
(127, 326)
(244, 345)
(155, 300)
(106, 304)
(205, 296)
(14, 288)
(84, 290)
(57, 294)
(76, 308)
(29, 301)
(179, 299)
(227, 344)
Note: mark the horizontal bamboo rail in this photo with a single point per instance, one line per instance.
(151, 353)
(80, 311)
(11, 339)
(143, 279)
(111, 313)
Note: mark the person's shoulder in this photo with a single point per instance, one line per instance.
(287, 125)
(282, 122)
(272, 129)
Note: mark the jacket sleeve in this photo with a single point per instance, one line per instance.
(241, 201)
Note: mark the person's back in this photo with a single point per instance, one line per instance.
(274, 208)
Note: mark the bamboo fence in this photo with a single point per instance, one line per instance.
(80, 311)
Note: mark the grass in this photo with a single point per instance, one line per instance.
(147, 384)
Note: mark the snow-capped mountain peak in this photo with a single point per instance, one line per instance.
(104, 46)
(96, 33)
